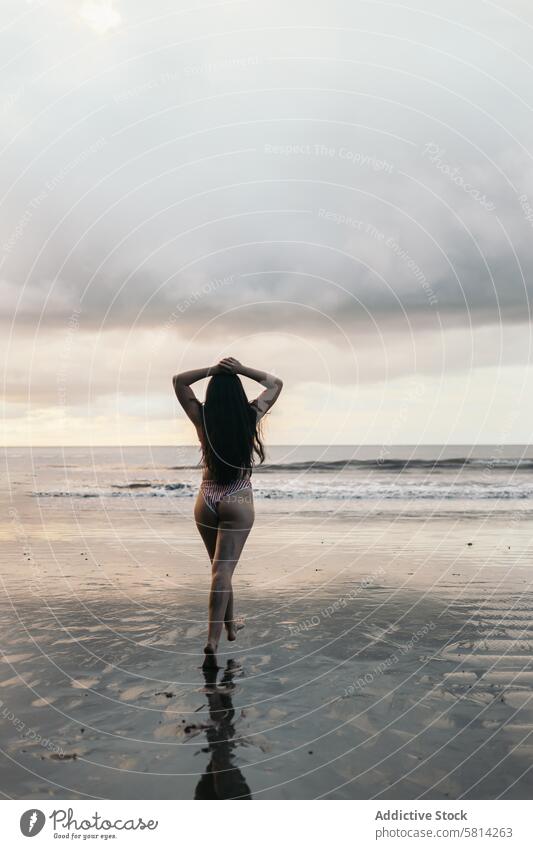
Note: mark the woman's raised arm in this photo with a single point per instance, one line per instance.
(182, 387)
(273, 385)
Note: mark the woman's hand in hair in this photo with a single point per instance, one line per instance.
(231, 365)
(219, 368)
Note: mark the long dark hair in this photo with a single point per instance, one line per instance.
(231, 432)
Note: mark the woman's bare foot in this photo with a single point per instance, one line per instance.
(210, 651)
(232, 627)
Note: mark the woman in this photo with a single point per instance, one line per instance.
(229, 430)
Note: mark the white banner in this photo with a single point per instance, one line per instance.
(311, 823)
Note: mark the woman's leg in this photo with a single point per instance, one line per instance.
(235, 520)
(204, 516)
(230, 624)
(207, 524)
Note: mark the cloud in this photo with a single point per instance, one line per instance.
(356, 178)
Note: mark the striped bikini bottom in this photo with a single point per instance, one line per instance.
(213, 492)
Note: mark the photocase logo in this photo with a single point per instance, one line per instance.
(32, 822)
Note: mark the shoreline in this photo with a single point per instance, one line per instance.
(385, 658)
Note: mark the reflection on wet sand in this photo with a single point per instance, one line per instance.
(222, 779)
(393, 664)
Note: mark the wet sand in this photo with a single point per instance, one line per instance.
(383, 657)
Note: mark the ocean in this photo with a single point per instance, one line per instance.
(488, 477)
(387, 598)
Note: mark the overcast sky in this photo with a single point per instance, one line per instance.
(338, 192)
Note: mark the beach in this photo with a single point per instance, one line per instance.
(386, 653)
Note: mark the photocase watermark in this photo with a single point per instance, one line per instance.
(222, 64)
(435, 154)
(181, 307)
(496, 461)
(65, 357)
(27, 732)
(32, 822)
(390, 242)
(169, 77)
(341, 218)
(527, 209)
(416, 391)
(9, 101)
(497, 451)
(412, 265)
(56, 180)
(356, 157)
(206, 289)
(65, 824)
(390, 661)
(241, 497)
(50, 185)
(518, 515)
(339, 604)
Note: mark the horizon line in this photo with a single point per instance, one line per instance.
(295, 445)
